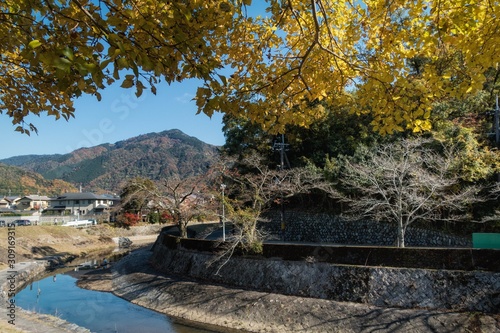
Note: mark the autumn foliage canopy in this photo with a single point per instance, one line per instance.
(391, 59)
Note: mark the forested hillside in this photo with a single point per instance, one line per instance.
(105, 167)
(17, 181)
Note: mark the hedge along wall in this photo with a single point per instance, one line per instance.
(308, 227)
(382, 286)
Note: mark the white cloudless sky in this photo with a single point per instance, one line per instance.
(118, 116)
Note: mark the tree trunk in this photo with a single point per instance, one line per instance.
(181, 225)
(401, 235)
(182, 229)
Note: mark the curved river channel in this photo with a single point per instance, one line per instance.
(100, 312)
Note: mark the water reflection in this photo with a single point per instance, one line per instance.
(103, 312)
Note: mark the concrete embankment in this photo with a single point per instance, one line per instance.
(133, 278)
(384, 285)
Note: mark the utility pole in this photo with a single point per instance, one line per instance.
(282, 147)
(496, 123)
(496, 128)
(223, 187)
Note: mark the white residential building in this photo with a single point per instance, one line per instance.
(85, 203)
(33, 202)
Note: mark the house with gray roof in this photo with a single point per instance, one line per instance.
(82, 203)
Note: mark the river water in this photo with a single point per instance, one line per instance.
(100, 312)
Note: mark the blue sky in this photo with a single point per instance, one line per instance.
(118, 116)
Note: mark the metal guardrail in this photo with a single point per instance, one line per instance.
(49, 219)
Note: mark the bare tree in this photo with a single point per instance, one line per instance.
(255, 190)
(183, 199)
(253, 186)
(137, 195)
(405, 182)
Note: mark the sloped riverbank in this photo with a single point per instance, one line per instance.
(235, 309)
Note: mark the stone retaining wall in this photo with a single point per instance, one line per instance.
(381, 286)
(324, 228)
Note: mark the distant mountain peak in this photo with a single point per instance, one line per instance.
(107, 166)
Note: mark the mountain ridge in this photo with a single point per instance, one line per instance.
(105, 167)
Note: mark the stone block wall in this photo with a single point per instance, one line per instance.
(324, 228)
(380, 286)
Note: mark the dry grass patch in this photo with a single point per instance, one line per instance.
(42, 241)
(34, 242)
(8, 328)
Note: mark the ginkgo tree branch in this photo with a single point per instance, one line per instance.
(340, 52)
